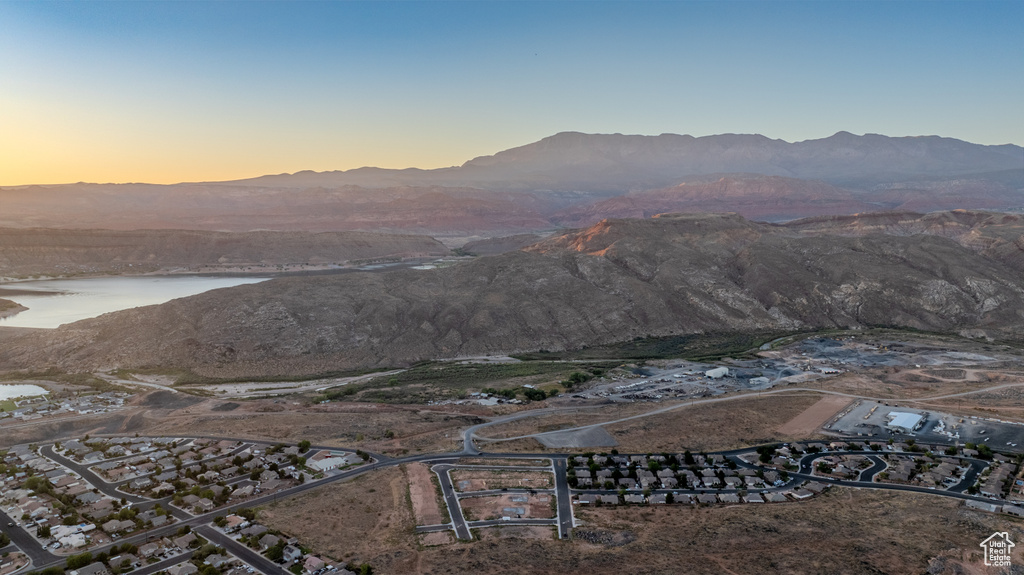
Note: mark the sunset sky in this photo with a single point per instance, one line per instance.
(193, 91)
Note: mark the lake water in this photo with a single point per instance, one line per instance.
(55, 302)
(13, 390)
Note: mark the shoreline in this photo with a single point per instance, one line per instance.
(290, 270)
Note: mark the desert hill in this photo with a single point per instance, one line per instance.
(612, 282)
(63, 252)
(569, 179)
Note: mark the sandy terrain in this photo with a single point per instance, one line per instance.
(356, 520)
(532, 506)
(484, 479)
(723, 425)
(506, 462)
(808, 422)
(423, 495)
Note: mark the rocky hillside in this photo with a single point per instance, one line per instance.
(997, 236)
(63, 252)
(612, 282)
(765, 198)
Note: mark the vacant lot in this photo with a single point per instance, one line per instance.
(539, 506)
(725, 425)
(366, 519)
(387, 429)
(423, 494)
(814, 416)
(484, 479)
(845, 532)
(569, 417)
(506, 462)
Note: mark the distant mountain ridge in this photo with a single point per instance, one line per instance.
(607, 162)
(563, 180)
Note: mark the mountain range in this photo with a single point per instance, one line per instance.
(569, 179)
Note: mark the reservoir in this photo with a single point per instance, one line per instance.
(13, 391)
(51, 303)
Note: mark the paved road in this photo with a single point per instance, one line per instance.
(241, 551)
(27, 543)
(161, 565)
(83, 470)
(452, 500)
(878, 466)
(562, 499)
(42, 559)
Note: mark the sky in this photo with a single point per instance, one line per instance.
(166, 92)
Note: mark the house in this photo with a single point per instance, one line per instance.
(775, 497)
(634, 498)
(313, 563)
(708, 498)
(753, 498)
(182, 569)
(729, 498)
(292, 553)
(149, 549)
(92, 569)
(185, 540)
(609, 499)
(217, 560)
(254, 530)
(658, 498)
(587, 498)
(1013, 510)
(125, 560)
(268, 541)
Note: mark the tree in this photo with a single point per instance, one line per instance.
(276, 553)
(220, 521)
(688, 458)
(304, 446)
(79, 561)
(669, 498)
(534, 394)
(43, 533)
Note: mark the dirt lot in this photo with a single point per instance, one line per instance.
(506, 462)
(484, 479)
(907, 383)
(423, 494)
(354, 520)
(389, 429)
(863, 532)
(563, 420)
(808, 422)
(537, 506)
(715, 426)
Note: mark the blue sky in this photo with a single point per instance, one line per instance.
(180, 91)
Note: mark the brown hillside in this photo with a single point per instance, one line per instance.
(613, 282)
(61, 252)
